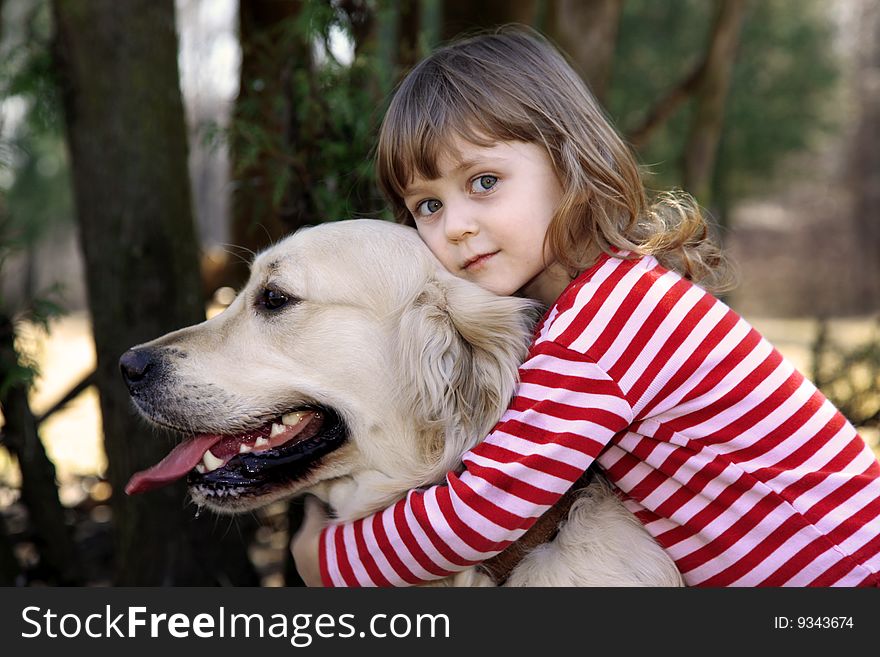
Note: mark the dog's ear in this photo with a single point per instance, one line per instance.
(459, 350)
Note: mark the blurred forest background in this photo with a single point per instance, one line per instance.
(147, 147)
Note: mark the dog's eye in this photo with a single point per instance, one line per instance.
(272, 299)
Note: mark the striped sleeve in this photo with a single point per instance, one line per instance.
(565, 411)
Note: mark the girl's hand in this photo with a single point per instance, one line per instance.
(304, 545)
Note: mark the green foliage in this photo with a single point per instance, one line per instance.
(17, 367)
(659, 44)
(783, 93)
(782, 90)
(323, 164)
(34, 169)
(21, 369)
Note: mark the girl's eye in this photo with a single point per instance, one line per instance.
(429, 207)
(483, 183)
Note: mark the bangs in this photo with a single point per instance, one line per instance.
(435, 108)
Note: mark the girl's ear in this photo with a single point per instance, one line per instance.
(459, 350)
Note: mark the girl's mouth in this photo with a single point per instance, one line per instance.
(475, 264)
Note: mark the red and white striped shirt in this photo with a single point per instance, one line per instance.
(743, 472)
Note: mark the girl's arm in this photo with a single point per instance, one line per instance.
(565, 410)
(305, 545)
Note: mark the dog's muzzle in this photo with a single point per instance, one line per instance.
(141, 368)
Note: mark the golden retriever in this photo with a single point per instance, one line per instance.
(354, 367)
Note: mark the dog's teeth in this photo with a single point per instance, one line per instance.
(211, 462)
(200, 469)
(244, 449)
(293, 418)
(276, 429)
(261, 442)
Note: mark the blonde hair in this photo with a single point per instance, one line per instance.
(513, 85)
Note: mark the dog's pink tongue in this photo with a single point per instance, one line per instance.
(181, 460)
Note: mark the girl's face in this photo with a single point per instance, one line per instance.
(486, 216)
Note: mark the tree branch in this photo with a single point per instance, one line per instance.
(87, 381)
(664, 108)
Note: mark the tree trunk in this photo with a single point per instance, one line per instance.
(10, 569)
(430, 24)
(708, 112)
(587, 31)
(395, 35)
(39, 492)
(117, 64)
(271, 50)
(865, 158)
(465, 16)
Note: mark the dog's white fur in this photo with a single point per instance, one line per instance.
(418, 364)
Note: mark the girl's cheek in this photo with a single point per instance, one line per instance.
(429, 236)
(435, 246)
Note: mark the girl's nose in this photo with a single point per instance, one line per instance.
(459, 223)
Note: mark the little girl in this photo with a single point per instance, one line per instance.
(741, 470)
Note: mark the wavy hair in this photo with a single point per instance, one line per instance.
(513, 85)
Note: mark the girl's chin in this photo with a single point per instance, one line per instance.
(498, 289)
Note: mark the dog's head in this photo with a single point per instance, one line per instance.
(351, 364)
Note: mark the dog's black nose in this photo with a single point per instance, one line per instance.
(135, 365)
